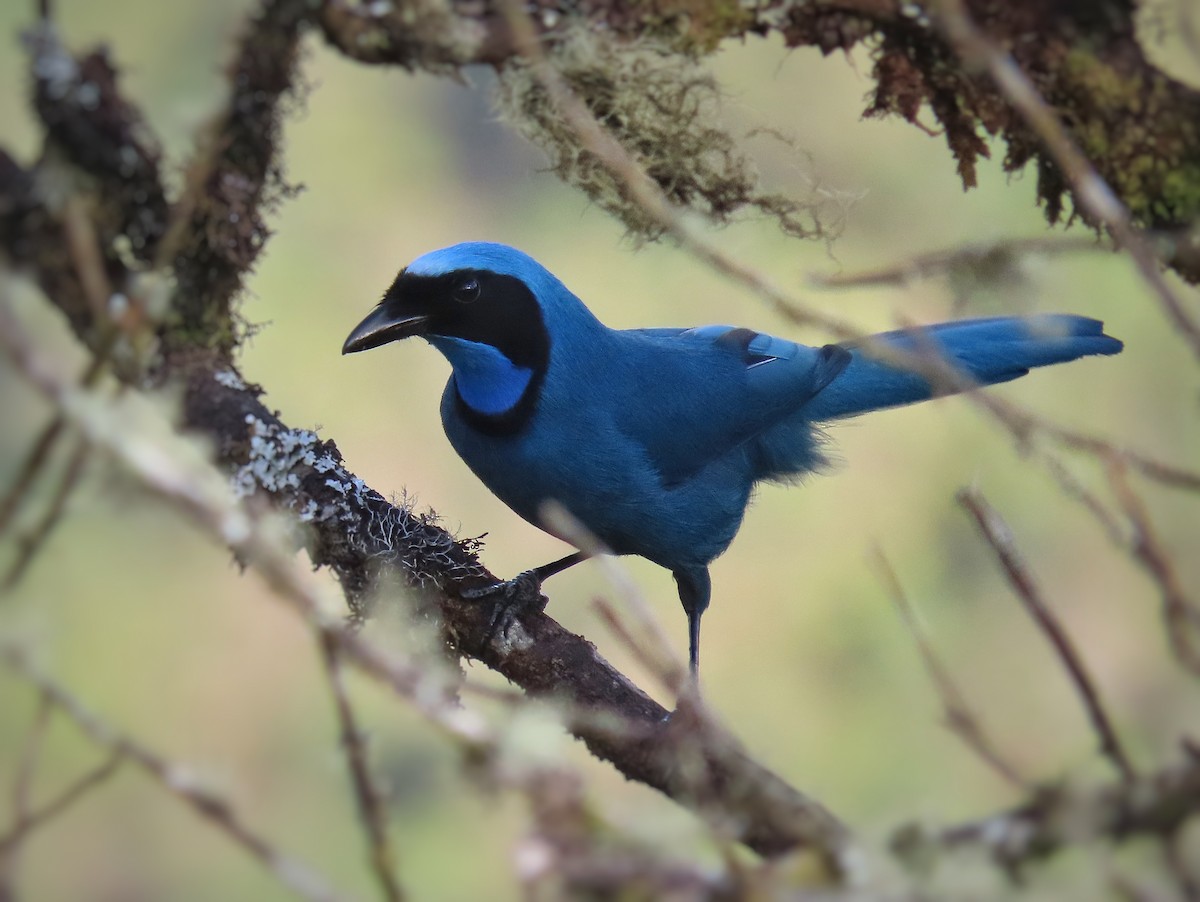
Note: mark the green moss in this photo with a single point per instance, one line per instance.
(663, 109)
(691, 26)
(1104, 87)
(1132, 127)
(1181, 193)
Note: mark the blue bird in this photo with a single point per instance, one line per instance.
(655, 438)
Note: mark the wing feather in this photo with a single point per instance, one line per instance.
(690, 396)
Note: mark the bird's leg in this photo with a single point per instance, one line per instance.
(521, 593)
(695, 591)
(694, 642)
(525, 587)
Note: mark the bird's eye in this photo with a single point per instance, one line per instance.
(467, 291)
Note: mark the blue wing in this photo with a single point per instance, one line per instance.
(692, 395)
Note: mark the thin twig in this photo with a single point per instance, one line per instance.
(39, 452)
(84, 251)
(693, 728)
(1180, 865)
(958, 714)
(1155, 806)
(1073, 488)
(176, 779)
(611, 617)
(28, 821)
(1020, 420)
(596, 720)
(656, 655)
(30, 757)
(1090, 191)
(32, 542)
(1000, 538)
(1180, 613)
(23, 790)
(35, 459)
(371, 808)
(989, 256)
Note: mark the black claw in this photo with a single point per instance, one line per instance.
(523, 590)
(520, 595)
(477, 592)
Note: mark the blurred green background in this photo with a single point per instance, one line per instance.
(156, 629)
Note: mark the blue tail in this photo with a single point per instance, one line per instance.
(987, 350)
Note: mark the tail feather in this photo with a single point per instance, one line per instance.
(988, 351)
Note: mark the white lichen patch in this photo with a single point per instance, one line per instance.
(229, 379)
(277, 462)
(53, 66)
(513, 637)
(274, 456)
(392, 534)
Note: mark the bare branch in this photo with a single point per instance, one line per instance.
(31, 543)
(999, 537)
(30, 757)
(371, 807)
(1181, 615)
(28, 821)
(87, 262)
(990, 258)
(1155, 805)
(656, 655)
(1075, 489)
(1180, 866)
(572, 853)
(958, 714)
(177, 780)
(1024, 425)
(31, 465)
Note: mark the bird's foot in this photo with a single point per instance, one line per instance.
(520, 595)
(524, 590)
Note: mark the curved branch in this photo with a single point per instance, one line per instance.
(365, 539)
(355, 531)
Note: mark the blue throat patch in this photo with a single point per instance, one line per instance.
(487, 381)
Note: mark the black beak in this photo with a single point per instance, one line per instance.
(381, 326)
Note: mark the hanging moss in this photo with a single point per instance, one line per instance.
(664, 109)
